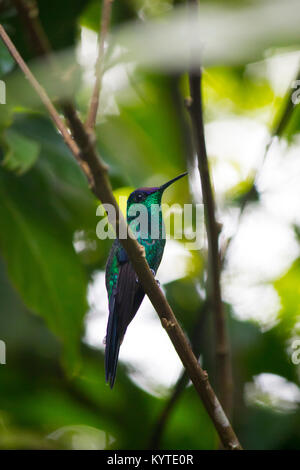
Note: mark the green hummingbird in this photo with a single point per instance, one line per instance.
(125, 294)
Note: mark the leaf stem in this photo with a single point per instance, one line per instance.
(94, 104)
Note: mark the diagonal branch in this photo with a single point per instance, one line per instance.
(94, 104)
(96, 172)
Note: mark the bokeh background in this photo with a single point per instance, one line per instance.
(53, 306)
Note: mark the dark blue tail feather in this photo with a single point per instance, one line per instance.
(112, 348)
(124, 302)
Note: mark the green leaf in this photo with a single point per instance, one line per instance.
(91, 16)
(61, 177)
(244, 191)
(6, 60)
(189, 426)
(234, 88)
(288, 289)
(59, 20)
(293, 125)
(21, 153)
(146, 130)
(41, 261)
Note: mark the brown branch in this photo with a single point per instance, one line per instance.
(223, 365)
(29, 13)
(42, 94)
(197, 332)
(222, 348)
(96, 173)
(94, 104)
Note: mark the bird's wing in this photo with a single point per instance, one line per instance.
(125, 299)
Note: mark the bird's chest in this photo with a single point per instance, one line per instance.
(154, 249)
(151, 235)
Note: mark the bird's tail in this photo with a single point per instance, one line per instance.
(113, 343)
(123, 305)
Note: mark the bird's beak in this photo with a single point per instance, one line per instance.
(166, 185)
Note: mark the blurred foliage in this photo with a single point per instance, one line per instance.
(53, 392)
(236, 90)
(288, 289)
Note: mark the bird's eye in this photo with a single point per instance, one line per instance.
(139, 197)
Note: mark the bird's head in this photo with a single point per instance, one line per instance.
(149, 196)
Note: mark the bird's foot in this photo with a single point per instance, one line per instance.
(153, 272)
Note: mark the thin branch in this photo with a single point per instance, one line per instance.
(94, 104)
(222, 348)
(223, 365)
(96, 173)
(29, 13)
(41, 92)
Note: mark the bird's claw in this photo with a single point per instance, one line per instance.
(153, 272)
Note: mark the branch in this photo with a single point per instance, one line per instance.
(28, 12)
(222, 349)
(224, 374)
(94, 104)
(96, 172)
(42, 94)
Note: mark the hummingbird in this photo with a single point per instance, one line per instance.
(125, 294)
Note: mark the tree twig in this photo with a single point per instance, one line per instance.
(29, 13)
(94, 104)
(96, 172)
(223, 365)
(222, 348)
